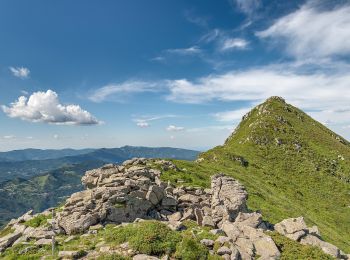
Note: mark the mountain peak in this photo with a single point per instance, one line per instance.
(275, 98)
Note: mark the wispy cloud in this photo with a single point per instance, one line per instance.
(142, 124)
(173, 128)
(20, 72)
(145, 121)
(192, 17)
(118, 92)
(193, 50)
(248, 7)
(7, 137)
(231, 116)
(234, 44)
(45, 107)
(312, 31)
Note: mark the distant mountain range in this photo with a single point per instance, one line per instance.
(32, 162)
(39, 179)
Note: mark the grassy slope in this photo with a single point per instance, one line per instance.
(282, 180)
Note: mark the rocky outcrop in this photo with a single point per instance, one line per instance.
(134, 191)
(296, 229)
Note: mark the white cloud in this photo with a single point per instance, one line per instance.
(142, 124)
(231, 116)
(173, 128)
(247, 6)
(324, 94)
(117, 92)
(45, 107)
(195, 19)
(56, 136)
(312, 31)
(234, 43)
(185, 51)
(311, 90)
(20, 72)
(7, 137)
(144, 121)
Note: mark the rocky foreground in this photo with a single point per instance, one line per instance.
(134, 192)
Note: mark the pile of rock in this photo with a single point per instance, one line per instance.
(133, 191)
(118, 194)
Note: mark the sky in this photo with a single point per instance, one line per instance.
(182, 73)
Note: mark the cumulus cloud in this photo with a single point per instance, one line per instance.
(45, 107)
(312, 31)
(20, 72)
(173, 128)
(118, 92)
(231, 116)
(234, 43)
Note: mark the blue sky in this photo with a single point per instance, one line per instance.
(165, 73)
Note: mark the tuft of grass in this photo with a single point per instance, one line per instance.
(190, 248)
(38, 221)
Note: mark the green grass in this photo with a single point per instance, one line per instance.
(38, 221)
(6, 231)
(149, 237)
(283, 182)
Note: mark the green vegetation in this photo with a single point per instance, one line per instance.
(190, 248)
(294, 166)
(38, 221)
(6, 231)
(292, 250)
(149, 237)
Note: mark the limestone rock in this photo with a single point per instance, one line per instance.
(144, 257)
(224, 251)
(228, 199)
(8, 240)
(207, 242)
(325, 246)
(290, 226)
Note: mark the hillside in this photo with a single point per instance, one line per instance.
(290, 164)
(126, 212)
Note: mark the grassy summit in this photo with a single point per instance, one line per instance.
(290, 164)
